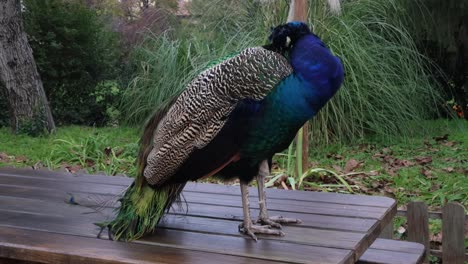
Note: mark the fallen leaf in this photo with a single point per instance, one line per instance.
(441, 138)
(4, 156)
(401, 163)
(462, 171)
(21, 159)
(390, 171)
(389, 189)
(337, 169)
(120, 151)
(387, 151)
(426, 172)
(423, 160)
(401, 230)
(334, 156)
(73, 168)
(351, 165)
(449, 143)
(90, 163)
(313, 164)
(38, 165)
(108, 151)
(449, 169)
(435, 187)
(281, 179)
(378, 155)
(376, 184)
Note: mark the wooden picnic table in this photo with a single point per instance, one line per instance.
(49, 217)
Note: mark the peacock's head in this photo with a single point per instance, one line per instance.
(284, 36)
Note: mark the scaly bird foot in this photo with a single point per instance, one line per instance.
(276, 221)
(252, 229)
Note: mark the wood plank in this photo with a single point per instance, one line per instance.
(273, 203)
(314, 236)
(209, 188)
(62, 185)
(176, 238)
(377, 256)
(60, 175)
(216, 211)
(75, 224)
(46, 247)
(453, 245)
(84, 226)
(387, 251)
(418, 225)
(398, 245)
(275, 250)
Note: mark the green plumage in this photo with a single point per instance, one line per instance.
(141, 210)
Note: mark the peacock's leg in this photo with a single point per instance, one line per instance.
(247, 227)
(263, 218)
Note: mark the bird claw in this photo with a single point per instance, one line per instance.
(285, 220)
(251, 230)
(268, 222)
(110, 235)
(276, 221)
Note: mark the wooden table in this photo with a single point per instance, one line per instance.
(38, 222)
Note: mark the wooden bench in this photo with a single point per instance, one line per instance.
(387, 251)
(38, 223)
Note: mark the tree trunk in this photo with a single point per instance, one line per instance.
(29, 109)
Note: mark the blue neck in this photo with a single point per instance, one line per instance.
(316, 78)
(318, 69)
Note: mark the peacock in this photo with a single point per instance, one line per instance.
(228, 123)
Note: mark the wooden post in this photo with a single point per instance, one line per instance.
(298, 12)
(418, 225)
(453, 221)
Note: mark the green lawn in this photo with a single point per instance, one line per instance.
(111, 150)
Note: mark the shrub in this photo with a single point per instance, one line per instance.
(75, 53)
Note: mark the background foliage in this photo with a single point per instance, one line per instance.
(76, 55)
(387, 84)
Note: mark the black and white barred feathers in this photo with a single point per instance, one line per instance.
(201, 110)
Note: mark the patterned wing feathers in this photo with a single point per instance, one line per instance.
(200, 111)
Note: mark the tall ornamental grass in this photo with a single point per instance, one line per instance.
(386, 86)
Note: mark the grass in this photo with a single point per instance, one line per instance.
(429, 168)
(108, 150)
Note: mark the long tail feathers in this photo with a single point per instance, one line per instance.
(141, 210)
(142, 206)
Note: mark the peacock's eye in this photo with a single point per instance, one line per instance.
(288, 41)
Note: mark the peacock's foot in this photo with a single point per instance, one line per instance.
(102, 227)
(276, 221)
(252, 229)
